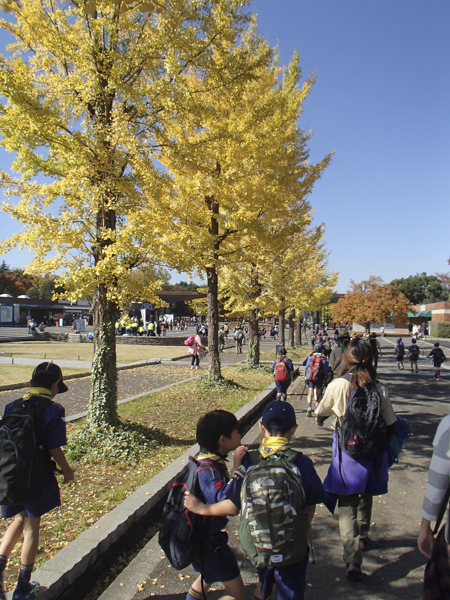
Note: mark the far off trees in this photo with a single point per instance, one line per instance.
(286, 271)
(372, 300)
(84, 86)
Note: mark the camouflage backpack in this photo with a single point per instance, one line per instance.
(274, 523)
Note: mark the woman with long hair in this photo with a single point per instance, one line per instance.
(352, 481)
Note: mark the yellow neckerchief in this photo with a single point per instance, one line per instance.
(217, 458)
(44, 392)
(272, 445)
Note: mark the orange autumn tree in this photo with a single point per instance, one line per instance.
(372, 300)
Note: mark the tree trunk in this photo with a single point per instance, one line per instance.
(213, 325)
(102, 408)
(298, 331)
(282, 327)
(291, 328)
(253, 343)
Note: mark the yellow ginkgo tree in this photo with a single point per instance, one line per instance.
(238, 163)
(85, 88)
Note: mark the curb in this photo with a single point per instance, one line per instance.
(63, 577)
(124, 587)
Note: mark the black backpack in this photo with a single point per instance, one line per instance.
(363, 431)
(22, 461)
(182, 534)
(439, 355)
(414, 352)
(373, 345)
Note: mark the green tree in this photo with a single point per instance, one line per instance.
(422, 288)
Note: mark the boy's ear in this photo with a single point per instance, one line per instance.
(262, 429)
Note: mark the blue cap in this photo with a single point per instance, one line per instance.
(283, 411)
(281, 350)
(54, 371)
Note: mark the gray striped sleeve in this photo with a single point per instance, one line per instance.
(438, 474)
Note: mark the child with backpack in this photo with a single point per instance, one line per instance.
(284, 561)
(400, 352)
(315, 370)
(283, 372)
(217, 435)
(196, 347)
(359, 464)
(31, 423)
(413, 355)
(438, 357)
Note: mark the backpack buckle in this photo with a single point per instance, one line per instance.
(276, 558)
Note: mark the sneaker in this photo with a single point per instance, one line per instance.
(33, 592)
(439, 379)
(309, 412)
(353, 572)
(417, 370)
(363, 543)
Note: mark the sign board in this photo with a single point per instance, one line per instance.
(306, 314)
(147, 306)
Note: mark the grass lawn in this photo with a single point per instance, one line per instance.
(65, 351)
(171, 415)
(297, 354)
(21, 374)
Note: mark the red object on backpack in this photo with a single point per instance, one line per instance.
(189, 341)
(315, 372)
(281, 370)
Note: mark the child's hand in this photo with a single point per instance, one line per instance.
(239, 454)
(193, 504)
(69, 475)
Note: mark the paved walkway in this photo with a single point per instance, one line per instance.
(393, 567)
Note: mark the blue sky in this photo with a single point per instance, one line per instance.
(381, 101)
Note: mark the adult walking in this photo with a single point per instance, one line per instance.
(338, 352)
(358, 471)
(195, 350)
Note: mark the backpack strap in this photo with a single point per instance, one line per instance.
(43, 404)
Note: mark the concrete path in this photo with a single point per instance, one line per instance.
(393, 567)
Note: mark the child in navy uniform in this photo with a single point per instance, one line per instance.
(438, 357)
(46, 382)
(217, 435)
(278, 425)
(282, 386)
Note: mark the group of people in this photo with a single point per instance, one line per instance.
(136, 327)
(358, 471)
(436, 355)
(350, 484)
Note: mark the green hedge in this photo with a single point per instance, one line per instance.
(440, 329)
